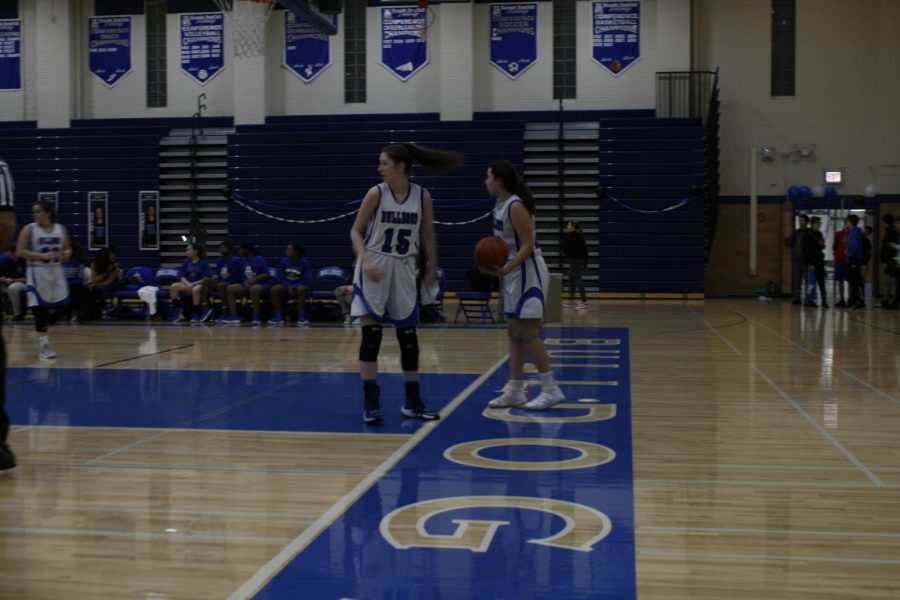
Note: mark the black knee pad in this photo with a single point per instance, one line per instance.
(409, 348)
(371, 343)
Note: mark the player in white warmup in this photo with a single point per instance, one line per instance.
(396, 216)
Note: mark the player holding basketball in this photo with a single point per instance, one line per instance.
(395, 215)
(524, 278)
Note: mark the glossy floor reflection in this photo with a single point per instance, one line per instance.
(731, 449)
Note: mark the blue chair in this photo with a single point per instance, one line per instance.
(325, 281)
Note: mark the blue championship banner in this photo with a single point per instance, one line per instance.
(149, 220)
(110, 48)
(617, 34)
(307, 51)
(404, 48)
(10, 54)
(202, 37)
(98, 227)
(513, 37)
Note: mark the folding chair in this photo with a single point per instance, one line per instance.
(475, 305)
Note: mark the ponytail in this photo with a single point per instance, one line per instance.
(439, 161)
(509, 179)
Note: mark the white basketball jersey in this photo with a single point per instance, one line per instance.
(503, 227)
(45, 279)
(44, 241)
(394, 227)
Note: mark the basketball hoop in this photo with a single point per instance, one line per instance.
(247, 21)
(427, 22)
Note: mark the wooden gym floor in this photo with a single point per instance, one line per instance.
(710, 449)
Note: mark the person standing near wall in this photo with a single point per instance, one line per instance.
(575, 251)
(45, 245)
(855, 254)
(815, 256)
(841, 266)
(7, 231)
(797, 245)
(887, 256)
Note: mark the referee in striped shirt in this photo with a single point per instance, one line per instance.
(7, 231)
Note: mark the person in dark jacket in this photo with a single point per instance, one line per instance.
(856, 255)
(890, 239)
(815, 257)
(575, 251)
(797, 244)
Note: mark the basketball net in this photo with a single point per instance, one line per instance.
(247, 22)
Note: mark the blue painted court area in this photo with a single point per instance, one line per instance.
(438, 529)
(238, 400)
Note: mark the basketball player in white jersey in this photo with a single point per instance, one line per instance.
(524, 282)
(396, 216)
(45, 245)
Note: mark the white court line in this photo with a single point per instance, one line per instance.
(764, 531)
(797, 408)
(766, 557)
(293, 432)
(185, 424)
(164, 467)
(141, 511)
(770, 467)
(844, 372)
(287, 554)
(834, 441)
(716, 331)
(174, 536)
(765, 483)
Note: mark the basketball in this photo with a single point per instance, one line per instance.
(491, 253)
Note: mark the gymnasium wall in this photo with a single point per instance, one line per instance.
(847, 92)
(460, 36)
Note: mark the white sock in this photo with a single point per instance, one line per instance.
(515, 385)
(547, 380)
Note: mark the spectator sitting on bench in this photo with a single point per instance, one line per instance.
(105, 275)
(228, 271)
(294, 277)
(12, 276)
(194, 274)
(78, 277)
(255, 281)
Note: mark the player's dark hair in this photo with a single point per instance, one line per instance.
(104, 259)
(506, 172)
(298, 248)
(201, 251)
(48, 207)
(854, 220)
(439, 161)
(251, 248)
(79, 256)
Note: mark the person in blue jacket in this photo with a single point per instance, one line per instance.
(228, 271)
(294, 277)
(194, 273)
(856, 255)
(255, 282)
